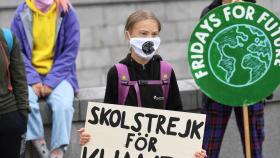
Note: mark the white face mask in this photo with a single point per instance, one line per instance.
(145, 48)
(45, 2)
(43, 5)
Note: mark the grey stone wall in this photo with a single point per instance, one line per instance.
(107, 44)
(102, 24)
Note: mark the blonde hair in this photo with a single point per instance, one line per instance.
(64, 4)
(138, 16)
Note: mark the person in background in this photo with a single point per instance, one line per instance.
(14, 107)
(49, 35)
(217, 115)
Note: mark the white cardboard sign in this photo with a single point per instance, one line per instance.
(119, 131)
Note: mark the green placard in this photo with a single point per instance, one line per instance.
(234, 54)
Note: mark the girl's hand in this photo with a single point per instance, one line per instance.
(201, 154)
(84, 136)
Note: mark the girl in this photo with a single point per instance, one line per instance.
(142, 79)
(217, 116)
(48, 33)
(13, 91)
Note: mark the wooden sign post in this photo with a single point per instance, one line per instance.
(246, 127)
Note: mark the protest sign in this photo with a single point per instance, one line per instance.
(234, 54)
(119, 131)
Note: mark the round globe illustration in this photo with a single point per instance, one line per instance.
(240, 50)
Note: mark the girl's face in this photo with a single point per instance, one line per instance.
(231, 1)
(145, 28)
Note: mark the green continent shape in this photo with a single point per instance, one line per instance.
(256, 66)
(229, 38)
